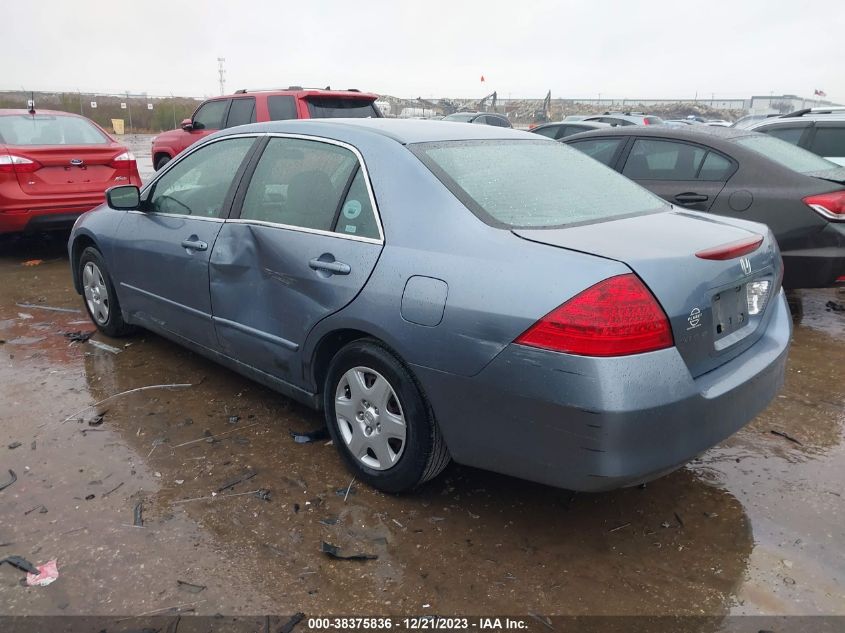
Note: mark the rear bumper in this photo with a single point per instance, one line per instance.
(600, 423)
(44, 218)
(820, 266)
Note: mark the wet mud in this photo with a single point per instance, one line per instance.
(754, 525)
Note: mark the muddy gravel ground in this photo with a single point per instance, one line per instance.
(755, 526)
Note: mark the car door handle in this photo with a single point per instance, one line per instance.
(195, 245)
(690, 197)
(333, 267)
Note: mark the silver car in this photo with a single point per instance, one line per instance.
(449, 291)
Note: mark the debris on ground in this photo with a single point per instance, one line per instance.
(206, 438)
(234, 419)
(345, 492)
(190, 587)
(328, 521)
(97, 420)
(263, 494)
(79, 336)
(13, 479)
(309, 436)
(619, 527)
(50, 308)
(124, 393)
(679, 519)
(21, 563)
(14, 445)
(44, 575)
(288, 626)
(832, 306)
(42, 509)
(238, 480)
(260, 493)
(138, 513)
(334, 552)
(786, 436)
(89, 497)
(32, 262)
(105, 346)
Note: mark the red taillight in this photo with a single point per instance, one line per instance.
(616, 317)
(11, 164)
(126, 160)
(732, 249)
(830, 205)
(840, 279)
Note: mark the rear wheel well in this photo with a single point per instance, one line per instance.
(79, 244)
(159, 155)
(328, 346)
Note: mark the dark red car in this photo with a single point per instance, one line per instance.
(55, 166)
(251, 106)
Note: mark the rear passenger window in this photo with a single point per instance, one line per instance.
(715, 167)
(788, 134)
(281, 108)
(241, 112)
(357, 216)
(663, 160)
(496, 121)
(829, 141)
(602, 149)
(310, 185)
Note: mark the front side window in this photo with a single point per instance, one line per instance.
(788, 134)
(49, 129)
(549, 131)
(790, 156)
(663, 160)
(312, 185)
(210, 115)
(198, 184)
(241, 112)
(600, 149)
(533, 184)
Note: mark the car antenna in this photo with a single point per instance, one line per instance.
(32, 103)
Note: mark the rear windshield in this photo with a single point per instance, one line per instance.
(47, 129)
(786, 154)
(533, 184)
(335, 107)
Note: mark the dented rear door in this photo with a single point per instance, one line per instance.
(304, 241)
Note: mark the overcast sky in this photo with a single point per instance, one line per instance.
(429, 48)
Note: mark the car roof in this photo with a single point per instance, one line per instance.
(405, 131)
(593, 124)
(301, 92)
(19, 111)
(787, 119)
(701, 133)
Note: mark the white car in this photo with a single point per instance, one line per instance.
(820, 130)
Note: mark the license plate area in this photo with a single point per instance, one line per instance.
(730, 311)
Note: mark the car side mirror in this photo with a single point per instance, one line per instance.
(187, 125)
(124, 198)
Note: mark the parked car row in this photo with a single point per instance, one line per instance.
(742, 174)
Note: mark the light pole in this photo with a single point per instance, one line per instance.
(221, 74)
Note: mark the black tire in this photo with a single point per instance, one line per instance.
(113, 325)
(424, 454)
(161, 161)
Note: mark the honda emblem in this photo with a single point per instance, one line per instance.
(745, 264)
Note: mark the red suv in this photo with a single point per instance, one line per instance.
(252, 106)
(55, 166)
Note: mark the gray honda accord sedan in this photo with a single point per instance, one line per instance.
(449, 291)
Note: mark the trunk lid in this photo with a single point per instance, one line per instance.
(69, 169)
(704, 299)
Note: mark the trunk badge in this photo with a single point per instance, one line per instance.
(745, 264)
(76, 161)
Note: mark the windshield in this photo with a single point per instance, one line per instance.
(786, 154)
(47, 129)
(532, 184)
(335, 107)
